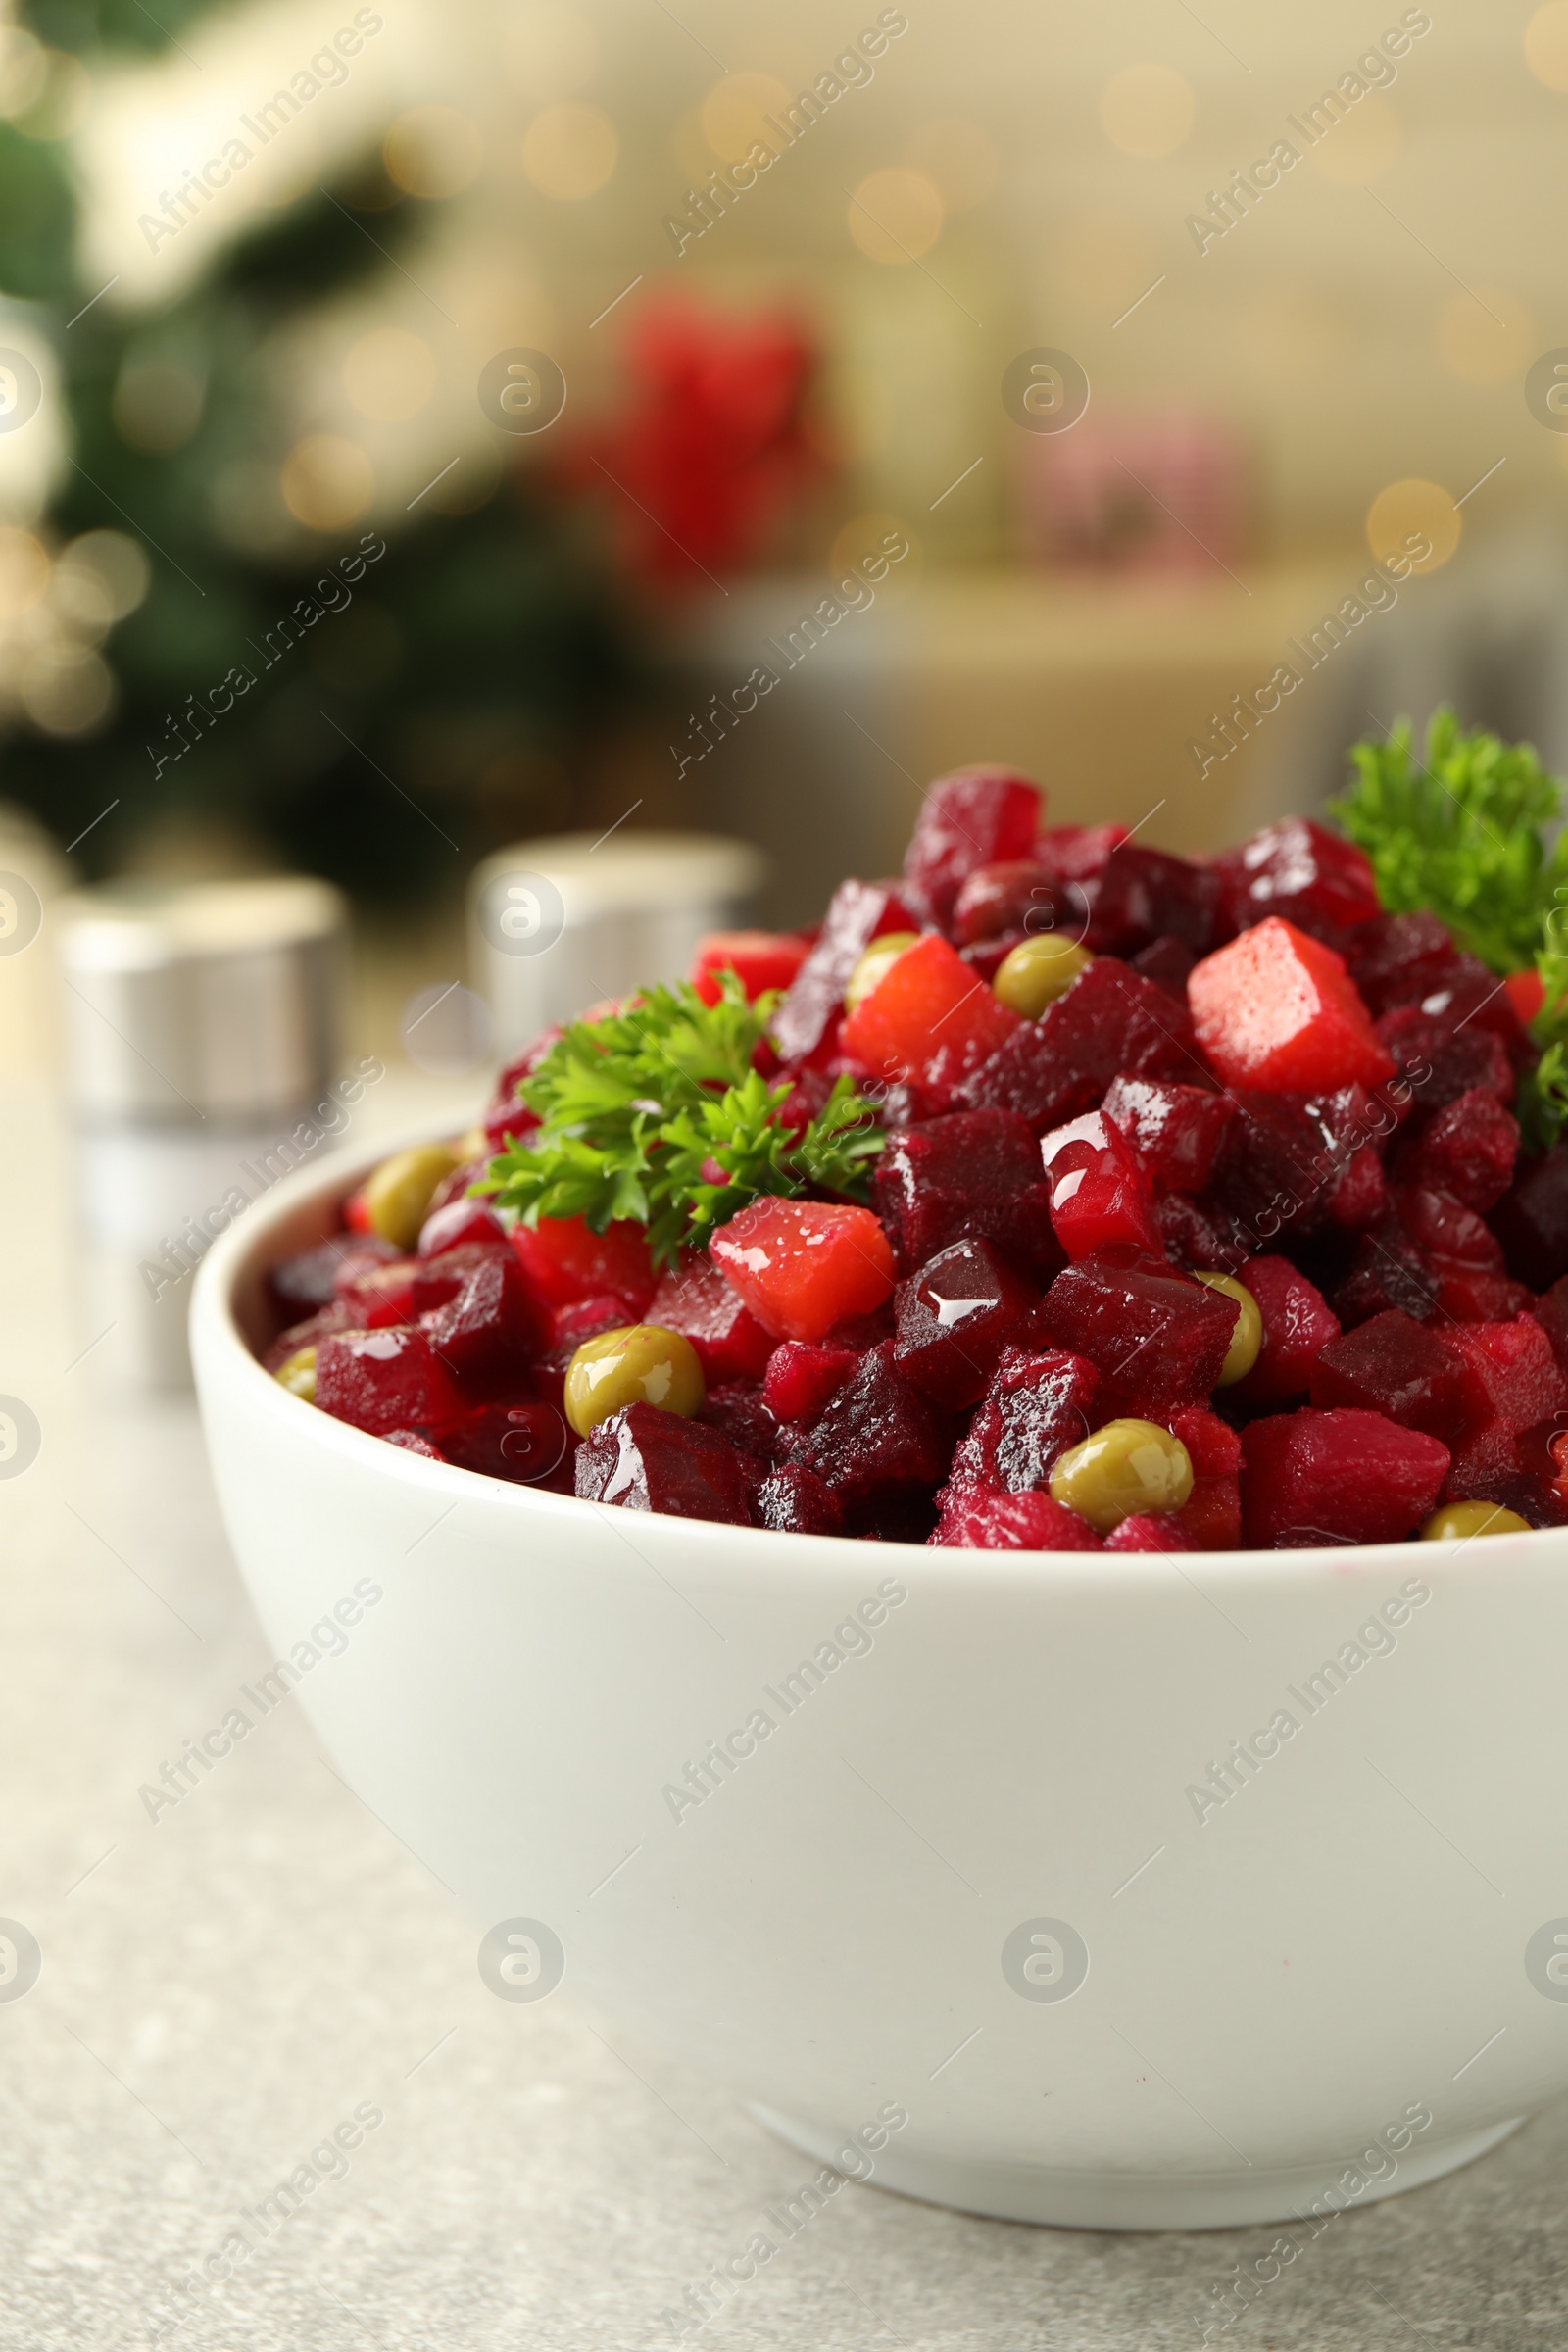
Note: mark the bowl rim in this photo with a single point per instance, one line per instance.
(244, 1250)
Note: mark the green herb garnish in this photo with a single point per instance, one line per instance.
(656, 1114)
(1461, 833)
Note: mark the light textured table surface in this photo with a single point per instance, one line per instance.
(224, 1987)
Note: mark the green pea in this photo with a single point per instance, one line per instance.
(1452, 1522)
(297, 1374)
(641, 1363)
(1126, 1467)
(398, 1194)
(1247, 1332)
(1038, 972)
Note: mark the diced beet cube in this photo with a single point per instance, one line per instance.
(858, 913)
(1020, 896)
(1175, 1129)
(1274, 1165)
(435, 1280)
(737, 1410)
(1511, 1373)
(1149, 1531)
(761, 961)
(1297, 869)
(1213, 1446)
(1277, 1010)
(1337, 1476)
(1168, 963)
(1202, 1237)
(1439, 1063)
(1212, 1512)
(412, 1442)
(1391, 1364)
(1100, 1197)
(795, 1501)
(1472, 1295)
(976, 1172)
(1530, 1220)
(1156, 1337)
(309, 1280)
(462, 1223)
(642, 1459)
(585, 1319)
(1110, 1021)
(1469, 996)
(986, 956)
(564, 1261)
(306, 1335)
(1036, 1406)
(802, 1377)
(1388, 1270)
(378, 1296)
(879, 1435)
(929, 1019)
(1298, 1323)
(381, 1380)
(955, 1317)
(977, 816)
(801, 1265)
(978, 1519)
(522, 1442)
(1492, 1464)
(492, 1329)
(1145, 895)
(1442, 1227)
(1077, 852)
(1551, 1313)
(1468, 1150)
(1359, 1193)
(1399, 958)
(698, 1302)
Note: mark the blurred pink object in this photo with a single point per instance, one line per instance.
(1145, 494)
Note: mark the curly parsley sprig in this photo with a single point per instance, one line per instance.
(1462, 832)
(656, 1114)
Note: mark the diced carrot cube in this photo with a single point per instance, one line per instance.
(1277, 1010)
(931, 1012)
(564, 1261)
(801, 1266)
(762, 960)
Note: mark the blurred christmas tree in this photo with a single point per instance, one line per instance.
(442, 702)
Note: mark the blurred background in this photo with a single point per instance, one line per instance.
(424, 429)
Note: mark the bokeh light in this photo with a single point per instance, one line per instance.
(67, 690)
(896, 215)
(23, 572)
(99, 579)
(570, 151)
(389, 374)
(550, 51)
(327, 481)
(1546, 45)
(1410, 511)
(1148, 111)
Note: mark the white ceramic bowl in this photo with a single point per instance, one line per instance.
(981, 1787)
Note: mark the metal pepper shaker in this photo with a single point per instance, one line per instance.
(201, 1025)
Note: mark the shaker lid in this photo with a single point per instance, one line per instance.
(207, 999)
